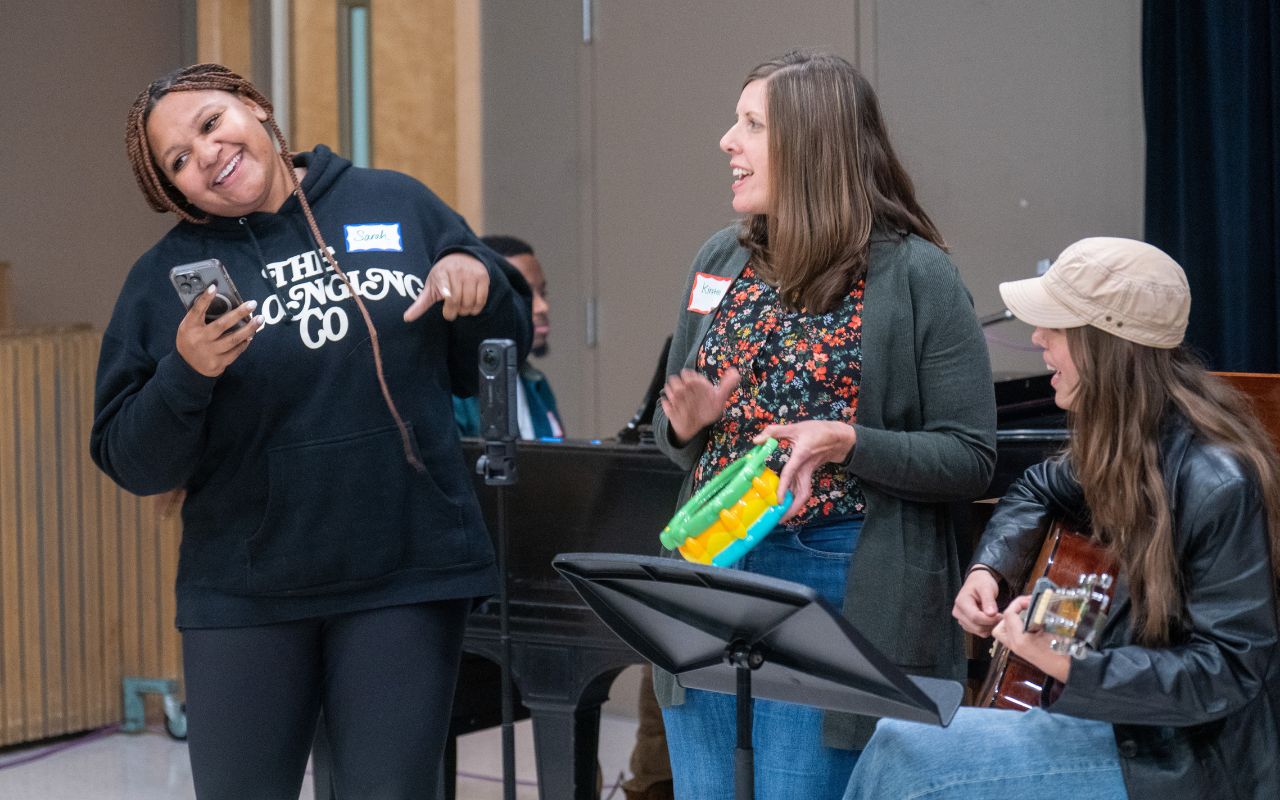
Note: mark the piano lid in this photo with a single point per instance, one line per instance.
(1026, 402)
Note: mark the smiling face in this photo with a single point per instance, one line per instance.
(212, 147)
(1057, 357)
(747, 144)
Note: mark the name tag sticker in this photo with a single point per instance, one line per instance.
(373, 236)
(708, 291)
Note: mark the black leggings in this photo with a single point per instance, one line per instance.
(385, 679)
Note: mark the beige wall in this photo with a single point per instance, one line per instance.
(537, 162)
(72, 221)
(1022, 124)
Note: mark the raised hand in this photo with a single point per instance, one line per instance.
(691, 402)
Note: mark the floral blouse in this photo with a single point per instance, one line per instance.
(795, 366)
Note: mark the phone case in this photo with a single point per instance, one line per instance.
(189, 280)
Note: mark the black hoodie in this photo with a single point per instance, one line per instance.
(299, 498)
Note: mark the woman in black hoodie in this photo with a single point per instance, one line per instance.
(332, 543)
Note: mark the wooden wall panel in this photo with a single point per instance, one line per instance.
(6, 295)
(72, 446)
(51, 646)
(96, 702)
(86, 569)
(223, 34)
(107, 524)
(469, 111)
(425, 107)
(11, 709)
(314, 75)
(29, 623)
(414, 91)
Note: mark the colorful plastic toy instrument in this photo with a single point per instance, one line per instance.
(731, 514)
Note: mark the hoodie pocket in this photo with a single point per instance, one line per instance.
(349, 510)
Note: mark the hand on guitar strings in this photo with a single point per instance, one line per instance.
(1034, 648)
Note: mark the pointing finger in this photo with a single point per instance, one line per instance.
(428, 297)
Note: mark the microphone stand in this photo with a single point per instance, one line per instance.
(640, 425)
(498, 401)
(992, 319)
(498, 466)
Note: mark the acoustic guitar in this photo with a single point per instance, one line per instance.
(1074, 580)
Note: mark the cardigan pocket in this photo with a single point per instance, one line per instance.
(924, 589)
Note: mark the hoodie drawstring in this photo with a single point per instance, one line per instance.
(262, 259)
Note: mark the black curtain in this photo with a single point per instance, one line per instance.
(1211, 94)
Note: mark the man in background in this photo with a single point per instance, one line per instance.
(536, 404)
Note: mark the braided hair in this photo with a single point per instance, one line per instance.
(163, 196)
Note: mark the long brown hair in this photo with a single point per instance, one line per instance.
(833, 179)
(163, 196)
(1126, 392)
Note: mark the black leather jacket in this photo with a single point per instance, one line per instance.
(1201, 718)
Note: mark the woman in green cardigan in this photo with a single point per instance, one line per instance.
(831, 319)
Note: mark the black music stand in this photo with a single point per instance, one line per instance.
(736, 633)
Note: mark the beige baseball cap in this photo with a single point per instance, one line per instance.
(1127, 288)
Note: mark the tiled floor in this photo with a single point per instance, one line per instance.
(151, 766)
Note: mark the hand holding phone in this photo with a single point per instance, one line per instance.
(218, 325)
(190, 280)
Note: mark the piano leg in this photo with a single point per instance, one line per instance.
(566, 735)
(562, 678)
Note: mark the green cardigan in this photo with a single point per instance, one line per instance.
(926, 438)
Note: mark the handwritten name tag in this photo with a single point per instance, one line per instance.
(708, 291)
(373, 236)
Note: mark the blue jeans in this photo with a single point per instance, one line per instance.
(790, 759)
(990, 754)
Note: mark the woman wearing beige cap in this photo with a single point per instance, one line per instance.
(1181, 697)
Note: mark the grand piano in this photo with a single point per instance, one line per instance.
(611, 497)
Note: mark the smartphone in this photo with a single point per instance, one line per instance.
(190, 280)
